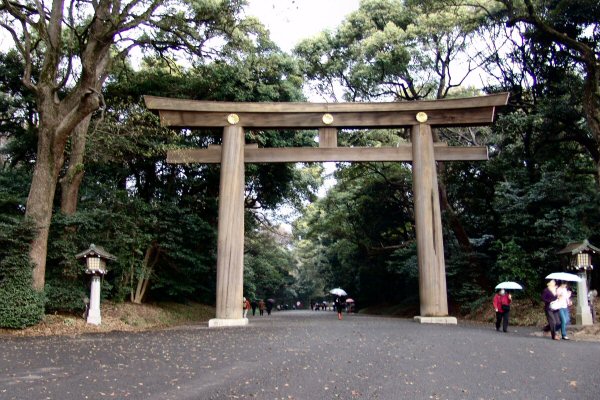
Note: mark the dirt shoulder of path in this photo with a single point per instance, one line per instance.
(124, 317)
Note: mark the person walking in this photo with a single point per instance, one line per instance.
(254, 305)
(246, 307)
(592, 302)
(261, 307)
(501, 303)
(563, 295)
(549, 297)
(339, 305)
(269, 306)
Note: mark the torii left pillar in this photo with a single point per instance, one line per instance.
(230, 245)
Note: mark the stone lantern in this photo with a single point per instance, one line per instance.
(580, 262)
(95, 262)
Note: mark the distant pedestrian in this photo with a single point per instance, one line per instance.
(502, 302)
(563, 295)
(254, 305)
(339, 306)
(269, 307)
(246, 307)
(261, 307)
(592, 302)
(550, 309)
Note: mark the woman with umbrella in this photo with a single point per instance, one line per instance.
(338, 303)
(339, 306)
(501, 302)
(563, 295)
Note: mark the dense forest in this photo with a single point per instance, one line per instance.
(83, 161)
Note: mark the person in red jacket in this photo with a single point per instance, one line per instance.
(502, 302)
(246, 307)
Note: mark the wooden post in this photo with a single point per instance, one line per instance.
(328, 137)
(428, 222)
(230, 246)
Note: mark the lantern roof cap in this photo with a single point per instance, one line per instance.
(579, 247)
(94, 250)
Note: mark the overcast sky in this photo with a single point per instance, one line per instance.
(290, 21)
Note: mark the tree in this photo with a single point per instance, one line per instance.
(401, 51)
(267, 264)
(68, 48)
(565, 36)
(160, 219)
(573, 27)
(394, 50)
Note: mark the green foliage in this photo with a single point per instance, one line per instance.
(20, 305)
(267, 265)
(65, 295)
(513, 264)
(537, 192)
(359, 236)
(393, 49)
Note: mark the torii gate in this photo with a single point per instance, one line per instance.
(420, 116)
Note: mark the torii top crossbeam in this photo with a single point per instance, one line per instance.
(448, 112)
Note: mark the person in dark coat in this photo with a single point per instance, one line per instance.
(269, 307)
(548, 296)
(253, 304)
(339, 306)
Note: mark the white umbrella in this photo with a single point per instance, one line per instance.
(338, 292)
(509, 285)
(564, 276)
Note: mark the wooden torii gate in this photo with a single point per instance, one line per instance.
(420, 116)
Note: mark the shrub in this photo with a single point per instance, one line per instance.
(65, 295)
(20, 305)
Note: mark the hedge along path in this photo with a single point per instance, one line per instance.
(328, 118)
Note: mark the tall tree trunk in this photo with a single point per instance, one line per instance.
(57, 122)
(71, 181)
(150, 260)
(40, 201)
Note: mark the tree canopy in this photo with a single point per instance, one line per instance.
(72, 122)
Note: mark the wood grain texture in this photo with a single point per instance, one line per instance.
(167, 103)
(328, 137)
(349, 120)
(428, 224)
(449, 112)
(230, 244)
(212, 155)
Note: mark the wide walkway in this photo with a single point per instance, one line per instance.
(302, 355)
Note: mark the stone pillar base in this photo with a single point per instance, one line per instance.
(93, 316)
(584, 317)
(222, 322)
(436, 320)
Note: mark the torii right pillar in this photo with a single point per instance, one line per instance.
(428, 222)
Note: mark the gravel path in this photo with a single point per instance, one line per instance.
(302, 355)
